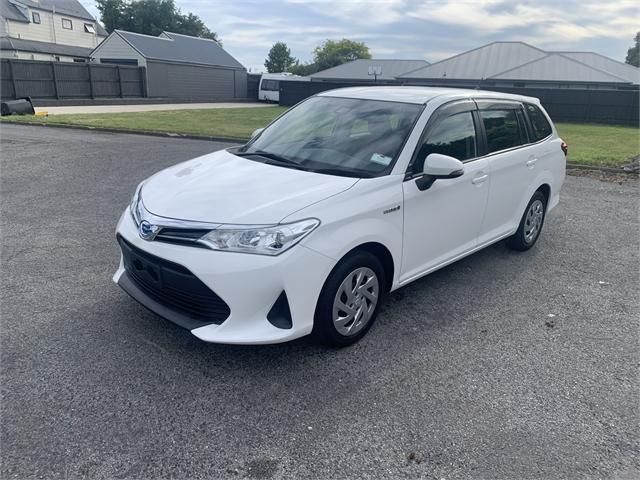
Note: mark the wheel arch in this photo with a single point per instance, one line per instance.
(383, 254)
(542, 183)
(545, 189)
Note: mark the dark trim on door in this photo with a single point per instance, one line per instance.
(443, 111)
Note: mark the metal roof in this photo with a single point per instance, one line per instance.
(559, 68)
(64, 7)
(7, 43)
(73, 8)
(606, 64)
(175, 47)
(481, 62)
(520, 61)
(10, 11)
(359, 69)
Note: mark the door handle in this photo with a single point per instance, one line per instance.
(480, 179)
(531, 162)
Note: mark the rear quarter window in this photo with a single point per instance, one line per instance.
(539, 123)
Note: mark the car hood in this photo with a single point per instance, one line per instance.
(223, 188)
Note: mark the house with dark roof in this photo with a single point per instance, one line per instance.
(520, 65)
(368, 70)
(177, 66)
(51, 30)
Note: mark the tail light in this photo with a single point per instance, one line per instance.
(565, 148)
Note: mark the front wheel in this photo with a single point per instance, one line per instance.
(349, 301)
(530, 224)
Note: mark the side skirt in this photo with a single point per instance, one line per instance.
(404, 282)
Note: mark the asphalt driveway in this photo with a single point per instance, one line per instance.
(502, 366)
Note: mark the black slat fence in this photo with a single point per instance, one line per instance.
(564, 105)
(60, 80)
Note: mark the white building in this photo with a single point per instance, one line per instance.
(53, 30)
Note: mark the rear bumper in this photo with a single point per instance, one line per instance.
(249, 284)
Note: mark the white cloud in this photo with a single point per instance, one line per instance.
(477, 15)
(429, 29)
(540, 23)
(358, 12)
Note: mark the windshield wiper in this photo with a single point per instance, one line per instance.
(269, 155)
(343, 173)
(274, 157)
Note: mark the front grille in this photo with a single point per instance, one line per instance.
(182, 236)
(173, 285)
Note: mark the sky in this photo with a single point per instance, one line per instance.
(412, 29)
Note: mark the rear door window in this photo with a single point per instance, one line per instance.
(539, 123)
(502, 129)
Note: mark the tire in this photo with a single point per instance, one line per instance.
(335, 304)
(530, 225)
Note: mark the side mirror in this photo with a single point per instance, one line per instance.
(257, 132)
(437, 166)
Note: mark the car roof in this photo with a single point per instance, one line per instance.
(419, 95)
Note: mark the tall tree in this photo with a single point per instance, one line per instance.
(112, 14)
(151, 17)
(337, 52)
(279, 58)
(633, 54)
(303, 69)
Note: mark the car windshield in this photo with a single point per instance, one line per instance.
(337, 136)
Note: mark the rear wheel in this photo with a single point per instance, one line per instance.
(349, 301)
(530, 224)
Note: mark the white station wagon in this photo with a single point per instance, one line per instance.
(350, 194)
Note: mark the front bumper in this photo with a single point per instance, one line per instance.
(249, 284)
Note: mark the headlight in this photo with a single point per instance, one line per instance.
(271, 240)
(134, 207)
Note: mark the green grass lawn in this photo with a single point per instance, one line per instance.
(216, 122)
(589, 144)
(604, 145)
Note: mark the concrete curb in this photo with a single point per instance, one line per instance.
(40, 103)
(577, 166)
(130, 132)
(570, 166)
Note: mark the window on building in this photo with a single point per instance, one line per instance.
(454, 136)
(66, 24)
(35, 16)
(503, 129)
(89, 28)
(79, 60)
(539, 123)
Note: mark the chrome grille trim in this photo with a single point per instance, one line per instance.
(166, 222)
(172, 230)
